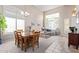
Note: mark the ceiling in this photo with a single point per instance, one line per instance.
(46, 7)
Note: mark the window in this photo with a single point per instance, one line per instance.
(53, 21)
(20, 24)
(11, 24)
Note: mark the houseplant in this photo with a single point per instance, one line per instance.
(3, 26)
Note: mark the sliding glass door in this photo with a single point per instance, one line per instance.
(11, 24)
(14, 21)
(21, 24)
(14, 24)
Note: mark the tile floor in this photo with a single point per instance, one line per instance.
(60, 45)
(54, 44)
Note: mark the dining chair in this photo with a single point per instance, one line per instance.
(33, 31)
(16, 38)
(22, 41)
(19, 30)
(34, 40)
(37, 38)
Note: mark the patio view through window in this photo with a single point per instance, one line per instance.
(52, 21)
(12, 24)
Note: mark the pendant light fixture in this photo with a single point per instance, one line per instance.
(24, 13)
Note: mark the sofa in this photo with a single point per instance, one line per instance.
(51, 32)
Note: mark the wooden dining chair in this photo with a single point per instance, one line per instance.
(37, 38)
(19, 30)
(34, 40)
(22, 41)
(33, 31)
(16, 38)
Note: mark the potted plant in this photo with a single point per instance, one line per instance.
(3, 26)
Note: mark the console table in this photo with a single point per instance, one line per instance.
(73, 39)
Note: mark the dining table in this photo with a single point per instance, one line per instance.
(27, 38)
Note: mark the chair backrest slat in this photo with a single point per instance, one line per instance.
(15, 33)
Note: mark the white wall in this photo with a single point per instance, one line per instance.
(77, 25)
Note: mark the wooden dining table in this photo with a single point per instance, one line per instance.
(31, 39)
(27, 37)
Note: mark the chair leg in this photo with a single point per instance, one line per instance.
(33, 49)
(68, 45)
(21, 46)
(18, 44)
(25, 49)
(38, 44)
